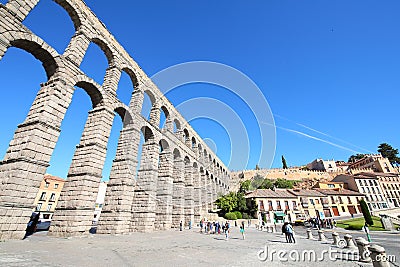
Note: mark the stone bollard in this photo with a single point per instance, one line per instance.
(349, 242)
(309, 234)
(363, 251)
(378, 256)
(321, 235)
(336, 239)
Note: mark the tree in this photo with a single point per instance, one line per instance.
(389, 152)
(366, 213)
(356, 157)
(284, 162)
(227, 203)
(245, 186)
(257, 167)
(283, 183)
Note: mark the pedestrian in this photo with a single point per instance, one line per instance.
(284, 231)
(334, 223)
(242, 231)
(248, 223)
(226, 231)
(201, 226)
(190, 225)
(366, 229)
(180, 226)
(290, 233)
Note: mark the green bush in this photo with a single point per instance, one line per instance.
(245, 216)
(353, 227)
(230, 216)
(238, 214)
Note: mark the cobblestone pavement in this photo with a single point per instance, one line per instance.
(167, 248)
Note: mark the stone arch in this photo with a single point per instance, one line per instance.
(177, 125)
(163, 109)
(177, 154)
(125, 114)
(186, 160)
(151, 96)
(195, 165)
(193, 142)
(94, 91)
(73, 12)
(132, 75)
(163, 145)
(147, 133)
(39, 49)
(105, 47)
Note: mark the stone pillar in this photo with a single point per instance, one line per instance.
(378, 256)
(155, 116)
(204, 194)
(336, 239)
(77, 48)
(197, 195)
(363, 252)
(189, 203)
(178, 193)
(164, 191)
(111, 79)
(349, 242)
(136, 102)
(209, 193)
(309, 234)
(117, 209)
(74, 213)
(321, 235)
(144, 202)
(169, 124)
(28, 157)
(21, 8)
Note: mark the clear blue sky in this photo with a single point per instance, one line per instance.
(331, 66)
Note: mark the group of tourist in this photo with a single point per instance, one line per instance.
(217, 228)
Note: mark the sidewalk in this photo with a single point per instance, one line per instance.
(168, 248)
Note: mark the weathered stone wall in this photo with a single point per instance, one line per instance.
(166, 190)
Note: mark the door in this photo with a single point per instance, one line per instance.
(335, 211)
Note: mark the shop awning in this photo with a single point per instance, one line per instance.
(280, 214)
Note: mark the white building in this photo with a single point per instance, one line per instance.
(322, 165)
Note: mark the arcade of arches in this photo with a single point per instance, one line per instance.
(178, 176)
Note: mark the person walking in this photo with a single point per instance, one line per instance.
(226, 231)
(242, 231)
(290, 233)
(284, 231)
(180, 226)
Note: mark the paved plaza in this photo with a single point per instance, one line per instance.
(168, 248)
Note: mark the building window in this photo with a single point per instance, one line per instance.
(53, 197)
(46, 185)
(39, 206)
(43, 196)
(49, 207)
(312, 201)
(55, 186)
(340, 200)
(343, 210)
(331, 185)
(332, 199)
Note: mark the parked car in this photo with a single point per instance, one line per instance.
(43, 226)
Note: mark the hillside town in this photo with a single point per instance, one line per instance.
(327, 189)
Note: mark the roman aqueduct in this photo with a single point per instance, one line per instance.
(178, 177)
